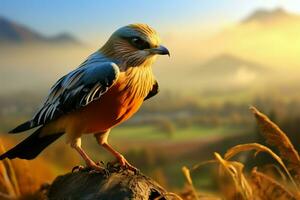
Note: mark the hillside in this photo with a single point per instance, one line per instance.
(227, 65)
(265, 17)
(226, 71)
(15, 33)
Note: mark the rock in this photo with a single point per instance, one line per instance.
(115, 184)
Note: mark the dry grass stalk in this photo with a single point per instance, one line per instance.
(271, 168)
(187, 175)
(197, 166)
(258, 148)
(169, 194)
(267, 188)
(8, 178)
(276, 137)
(235, 170)
(7, 189)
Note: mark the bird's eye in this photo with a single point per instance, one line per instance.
(140, 43)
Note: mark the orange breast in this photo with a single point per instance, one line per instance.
(115, 106)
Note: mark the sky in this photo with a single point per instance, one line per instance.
(93, 19)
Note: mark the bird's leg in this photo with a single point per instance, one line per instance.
(123, 162)
(76, 144)
(102, 140)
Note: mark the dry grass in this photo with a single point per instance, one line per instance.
(258, 148)
(276, 137)
(235, 171)
(20, 179)
(8, 181)
(265, 187)
(238, 184)
(189, 180)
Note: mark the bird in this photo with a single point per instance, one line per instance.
(105, 90)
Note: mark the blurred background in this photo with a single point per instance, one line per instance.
(225, 56)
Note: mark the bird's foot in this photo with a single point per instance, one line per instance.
(92, 167)
(125, 164)
(98, 168)
(95, 166)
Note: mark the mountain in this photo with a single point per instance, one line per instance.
(227, 65)
(15, 33)
(64, 37)
(270, 16)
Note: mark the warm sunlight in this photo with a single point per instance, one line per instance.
(77, 69)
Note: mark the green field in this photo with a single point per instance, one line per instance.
(153, 133)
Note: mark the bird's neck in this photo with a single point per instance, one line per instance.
(138, 81)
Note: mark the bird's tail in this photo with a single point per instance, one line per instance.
(32, 146)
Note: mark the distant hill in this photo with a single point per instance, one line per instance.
(270, 16)
(227, 71)
(226, 65)
(15, 33)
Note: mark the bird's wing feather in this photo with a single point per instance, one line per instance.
(75, 90)
(153, 91)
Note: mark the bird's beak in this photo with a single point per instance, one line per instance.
(161, 50)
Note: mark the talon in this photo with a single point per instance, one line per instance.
(95, 167)
(137, 172)
(125, 164)
(122, 161)
(106, 173)
(132, 168)
(77, 168)
(100, 163)
(103, 171)
(94, 171)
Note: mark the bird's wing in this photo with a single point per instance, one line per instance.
(74, 90)
(153, 91)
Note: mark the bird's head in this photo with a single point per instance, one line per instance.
(134, 45)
